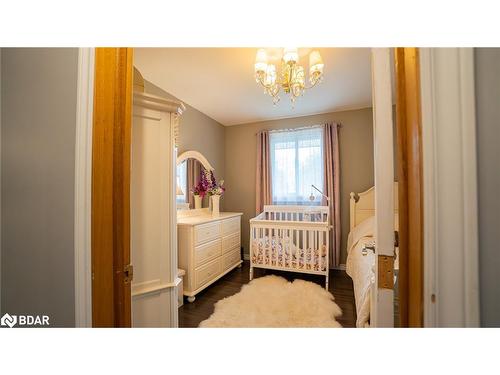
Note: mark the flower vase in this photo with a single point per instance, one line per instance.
(197, 202)
(215, 204)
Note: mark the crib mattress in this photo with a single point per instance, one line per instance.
(282, 252)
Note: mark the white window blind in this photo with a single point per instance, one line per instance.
(296, 164)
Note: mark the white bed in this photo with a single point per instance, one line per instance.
(359, 264)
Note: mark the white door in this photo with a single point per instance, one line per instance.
(382, 308)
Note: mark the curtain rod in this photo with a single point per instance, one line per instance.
(339, 125)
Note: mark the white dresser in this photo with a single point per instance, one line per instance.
(208, 247)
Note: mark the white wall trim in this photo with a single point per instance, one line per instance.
(0, 178)
(450, 187)
(83, 188)
(469, 178)
(382, 299)
(429, 185)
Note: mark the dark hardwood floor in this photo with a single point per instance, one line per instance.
(192, 314)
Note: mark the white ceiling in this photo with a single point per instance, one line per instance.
(220, 81)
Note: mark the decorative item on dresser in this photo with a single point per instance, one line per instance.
(209, 247)
(216, 191)
(197, 201)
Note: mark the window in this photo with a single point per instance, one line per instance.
(296, 164)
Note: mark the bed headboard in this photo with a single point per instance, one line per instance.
(362, 205)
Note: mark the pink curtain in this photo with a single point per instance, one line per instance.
(193, 169)
(263, 172)
(332, 188)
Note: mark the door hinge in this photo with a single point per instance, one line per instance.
(385, 272)
(128, 273)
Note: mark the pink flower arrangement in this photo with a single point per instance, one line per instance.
(216, 188)
(208, 185)
(203, 185)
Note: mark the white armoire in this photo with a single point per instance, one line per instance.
(153, 219)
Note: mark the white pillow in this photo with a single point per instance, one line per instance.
(364, 229)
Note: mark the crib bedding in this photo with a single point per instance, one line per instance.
(282, 252)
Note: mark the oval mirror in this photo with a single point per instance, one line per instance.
(190, 167)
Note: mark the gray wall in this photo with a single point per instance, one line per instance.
(197, 132)
(487, 75)
(356, 162)
(38, 93)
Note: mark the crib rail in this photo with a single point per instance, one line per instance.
(316, 214)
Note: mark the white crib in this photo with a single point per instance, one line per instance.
(291, 238)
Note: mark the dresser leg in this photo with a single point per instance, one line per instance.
(191, 299)
(239, 265)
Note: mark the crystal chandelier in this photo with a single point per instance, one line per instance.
(291, 77)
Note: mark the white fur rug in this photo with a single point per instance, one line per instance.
(272, 301)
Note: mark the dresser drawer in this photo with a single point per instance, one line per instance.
(207, 252)
(206, 232)
(230, 226)
(230, 242)
(206, 273)
(231, 258)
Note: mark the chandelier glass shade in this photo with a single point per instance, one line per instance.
(290, 78)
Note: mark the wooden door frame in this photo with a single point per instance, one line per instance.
(113, 85)
(410, 186)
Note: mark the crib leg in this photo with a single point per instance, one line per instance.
(326, 283)
(251, 273)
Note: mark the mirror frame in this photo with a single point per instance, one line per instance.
(195, 155)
